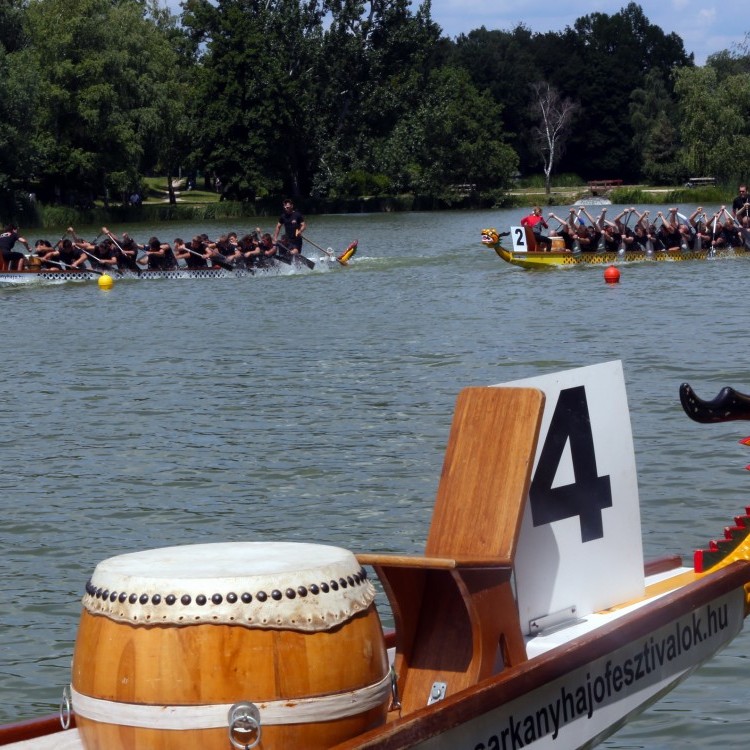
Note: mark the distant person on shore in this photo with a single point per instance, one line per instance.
(535, 221)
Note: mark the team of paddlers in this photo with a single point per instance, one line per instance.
(670, 231)
(122, 253)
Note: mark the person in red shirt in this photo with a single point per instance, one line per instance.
(535, 221)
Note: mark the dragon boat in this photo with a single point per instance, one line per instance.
(538, 627)
(521, 250)
(35, 274)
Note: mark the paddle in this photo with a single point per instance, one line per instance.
(91, 257)
(291, 256)
(621, 249)
(67, 266)
(129, 262)
(329, 253)
(214, 260)
(713, 233)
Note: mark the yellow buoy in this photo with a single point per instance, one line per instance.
(106, 281)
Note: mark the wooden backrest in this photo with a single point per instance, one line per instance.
(486, 473)
(530, 239)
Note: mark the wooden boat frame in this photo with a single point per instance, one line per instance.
(458, 623)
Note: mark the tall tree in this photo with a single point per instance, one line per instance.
(494, 58)
(374, 66)
(654, 119)
(103, 65)
(554, 117)
(714, 123)
(19, 86)
(256, 84)
(454, 137)
(606, 58)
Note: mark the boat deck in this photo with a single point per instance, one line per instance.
(67, 740)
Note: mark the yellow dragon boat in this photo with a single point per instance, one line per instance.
(521, 250)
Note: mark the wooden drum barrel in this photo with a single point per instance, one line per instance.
(558, 244)
(170, 639)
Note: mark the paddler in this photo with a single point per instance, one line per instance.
(14, 261)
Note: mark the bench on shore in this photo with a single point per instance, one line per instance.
(700, 181)
(597, 186)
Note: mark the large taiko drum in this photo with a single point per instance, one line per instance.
(171, 639)
(558, 244)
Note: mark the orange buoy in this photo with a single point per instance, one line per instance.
(611, 275)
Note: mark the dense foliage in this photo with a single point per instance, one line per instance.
(333, 98)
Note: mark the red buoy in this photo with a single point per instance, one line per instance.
(611, 275)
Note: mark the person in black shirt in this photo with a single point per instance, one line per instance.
(294, 225)
(740, 201)
(14, 261)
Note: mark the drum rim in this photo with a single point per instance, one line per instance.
(302, 596)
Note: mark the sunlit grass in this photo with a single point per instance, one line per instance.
(158, 192)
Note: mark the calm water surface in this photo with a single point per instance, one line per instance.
(316, 406)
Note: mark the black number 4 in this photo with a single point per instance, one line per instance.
(590, 493)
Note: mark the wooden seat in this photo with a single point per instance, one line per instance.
(531, 243)
(456, 616)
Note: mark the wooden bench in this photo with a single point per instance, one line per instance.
(456, 616)
(700, 182)
(597, 186)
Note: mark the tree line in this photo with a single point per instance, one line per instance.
(330, 98)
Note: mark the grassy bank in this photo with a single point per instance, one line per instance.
(202, 205)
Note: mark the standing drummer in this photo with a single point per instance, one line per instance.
(535, 221)
(15, 261)
(294, 224)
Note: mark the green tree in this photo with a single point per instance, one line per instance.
(654, 119)
(605, 58)
(256, 86)
(103, 68)
(12, 37)
(375, 60)
(171, 143)
(454, 137)
(505, 64)
(715, 128)
(18, 106)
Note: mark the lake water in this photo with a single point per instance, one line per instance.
(316, 406)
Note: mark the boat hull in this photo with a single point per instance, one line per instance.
(557, 259)
(15, 278)
(539, 259)
(573, 696)
(579, 693)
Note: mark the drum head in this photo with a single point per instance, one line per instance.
(255, 584)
